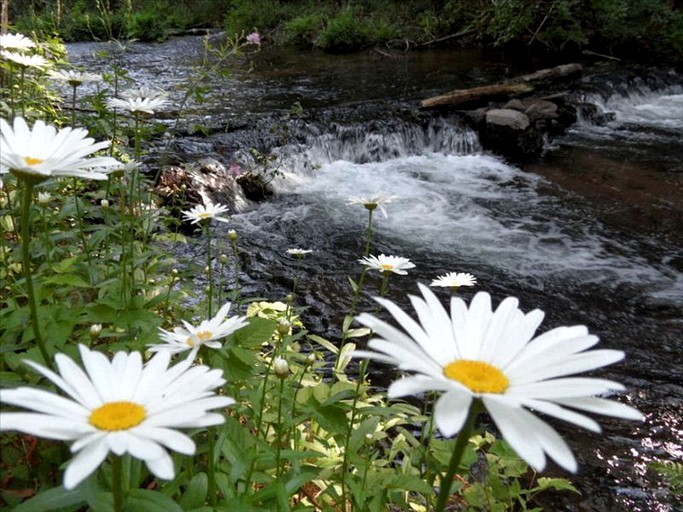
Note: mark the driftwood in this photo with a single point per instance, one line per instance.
(476, 93)
(510, 88)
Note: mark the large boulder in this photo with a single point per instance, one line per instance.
(510, 133)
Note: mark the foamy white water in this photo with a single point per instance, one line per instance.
(465, 207)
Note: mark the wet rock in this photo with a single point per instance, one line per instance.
(207, 180)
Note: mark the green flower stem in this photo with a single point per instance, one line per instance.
(211, 468)
(236, 290)
(354, 413)
(209, 271)
(81, 231)
(73, 106)
(117, 483)
(368, 243)
(26, 265)
(456, 457)
(278, 439)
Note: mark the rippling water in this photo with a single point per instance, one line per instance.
(458, 208)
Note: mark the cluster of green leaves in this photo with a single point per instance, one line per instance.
(314, 436)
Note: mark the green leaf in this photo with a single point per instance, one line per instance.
(195, 494)
(325, 343)
(258, 331)
(142, 500)
(558, 484)
(52, 499)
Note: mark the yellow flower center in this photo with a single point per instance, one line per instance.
(386, 266)
(200, 336)
(33, 161)
(479, 376)
(118, 416)
(205, 215)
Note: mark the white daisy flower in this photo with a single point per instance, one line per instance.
(383, 263)
(27, 61)
(119, 406)
(74, 78)
(373, 202)
(143, 92)
(205, 212)
(16, 42)
(299, 252)
(42, 152)
(476, 353)
(455, 279)
(206, 333)
(146, 105)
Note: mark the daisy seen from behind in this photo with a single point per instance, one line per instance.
(207, 333)
(454, 280)
(204, 212)
(74, 78)
(299, 252)
(383, 263)
(373, 202)
(120, 406)
(42, 151)
(17, 42)
(476, 354)
(26, 61)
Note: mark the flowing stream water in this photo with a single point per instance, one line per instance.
(591, 233)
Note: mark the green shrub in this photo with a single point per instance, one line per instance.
(245, 16)
(147, 26)
(302, 31)
(345, 32)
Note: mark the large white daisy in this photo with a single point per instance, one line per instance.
(43, 151)
(206, 333)
(476, 353)
(119, 406)
(383, 263)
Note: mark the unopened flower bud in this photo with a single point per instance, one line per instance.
(369, 439)
(224, 259)
(281, 367)
(43, 197)
(105, 203)
(232, 235)
(95, 330)
(311, 358)
(283, 327)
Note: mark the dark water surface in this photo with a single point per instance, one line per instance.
(591, 233)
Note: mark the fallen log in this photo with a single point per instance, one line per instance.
(508, 89)
(461, 96)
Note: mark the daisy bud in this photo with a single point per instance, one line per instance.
(43, 197)
(311, 358)
(95, 330)
(369, 439)
(232, 235)
(281, 367)
(224, 259)
(105, 203)
(283, 327)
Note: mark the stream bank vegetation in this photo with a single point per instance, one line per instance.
(125, 353)
(646, 30)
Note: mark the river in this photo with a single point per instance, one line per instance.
(591, 232)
